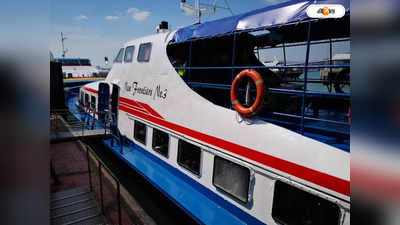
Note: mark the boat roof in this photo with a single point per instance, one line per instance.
(276, 15)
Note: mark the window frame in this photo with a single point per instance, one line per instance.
(93, 104)
(300, 193)
(87, 99)
(140, 48)
(152, 142)
(121, 51)
(222, 189)
(134, 132)
(133, 52)
(184, 165)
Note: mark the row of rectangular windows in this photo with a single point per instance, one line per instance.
(143, 55)
(291, 205)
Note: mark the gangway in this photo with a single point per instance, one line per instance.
(66, 126)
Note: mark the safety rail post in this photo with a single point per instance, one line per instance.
(233, 59)
(284, 53)
(330, 54)
(101, 166)
(233, 55)
(305, 77)
(101, 186)
(89, 170)
(189, 77)
(121, 143)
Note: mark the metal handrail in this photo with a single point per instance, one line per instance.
(261, 67)
(102, 165)
(271, 90)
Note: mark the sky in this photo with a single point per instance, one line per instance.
(95, 29)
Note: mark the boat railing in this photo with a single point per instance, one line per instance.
(302, 126)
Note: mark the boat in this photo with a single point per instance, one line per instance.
(196, 111)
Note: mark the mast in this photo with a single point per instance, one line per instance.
(200, 9)
(62, 44)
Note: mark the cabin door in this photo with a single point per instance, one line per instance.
(104, 100)
(115, 101)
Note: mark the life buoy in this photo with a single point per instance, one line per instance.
(259, 82)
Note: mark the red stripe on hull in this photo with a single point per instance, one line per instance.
(324, 180)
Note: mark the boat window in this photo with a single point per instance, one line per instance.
(231, 178)
(84, 62)
(140, 132)
(160, 142)
(189, 156)
(86, 100)
(129, 53)
(93, 102)
(294, 206)
(118, 59)
(82, 98)
(144, 52)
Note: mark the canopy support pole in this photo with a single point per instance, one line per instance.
(305, 77)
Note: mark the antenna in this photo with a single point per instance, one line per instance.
(62, 43)
(200, 9)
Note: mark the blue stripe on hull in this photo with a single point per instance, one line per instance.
(198, 201)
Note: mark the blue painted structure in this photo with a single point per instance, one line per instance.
(205, 206)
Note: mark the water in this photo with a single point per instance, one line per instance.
(315, 75)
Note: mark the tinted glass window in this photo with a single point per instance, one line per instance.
(86, 99)
(140, 132)
(189, 156)
(144, 52)
(70, 62)
(85, 62)
(232, 178)
(82, 98)
(93, 102)
(129, 53)
(294, 206)
(160, 142)
(119, 56)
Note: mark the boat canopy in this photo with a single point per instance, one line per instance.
(276, 15)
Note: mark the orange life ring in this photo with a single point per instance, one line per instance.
(259, 82)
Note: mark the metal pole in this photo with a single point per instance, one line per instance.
(89, 171)
(330, 53)
(101, 187)
(198, 13)
(121, 143)
(233, 54)
(62, 43)
(233, 58)
(190, 62)
(119, 203)
(284, 53)
(284, 58)
(305, 76)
